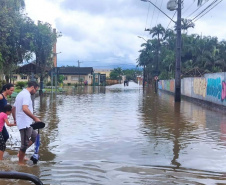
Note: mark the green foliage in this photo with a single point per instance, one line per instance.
(20, 85)
(199, 55)
(131, 74)
(116, 74)
(60, 78)
(48, 84)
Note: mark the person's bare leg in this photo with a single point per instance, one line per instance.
(1, 155)
(21, 157)
(25, 158)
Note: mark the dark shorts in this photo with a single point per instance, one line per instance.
(26, 135)
(2, 142)
(5, 133)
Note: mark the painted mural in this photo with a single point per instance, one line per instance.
(214, 87)
(199, 86)
(211, 87)
(167, 85)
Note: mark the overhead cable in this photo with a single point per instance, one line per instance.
(204, 10)
(197, 9)
(170, 20)
(158, 14)
(147, 15)
(208, 11)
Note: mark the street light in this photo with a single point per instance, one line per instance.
(159, 9)
(142, 38)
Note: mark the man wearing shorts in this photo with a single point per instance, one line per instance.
(23, 116)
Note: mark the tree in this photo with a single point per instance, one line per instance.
(157, 31)
(11, 19)
(43, 39)
(116, 74)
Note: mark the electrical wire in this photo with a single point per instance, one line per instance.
(208, 11)
(147, 15)
(153, 14)
(170, 20)
(188, 7)
(196, 9)
(204, 10)
(158, 14)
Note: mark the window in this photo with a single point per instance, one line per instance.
(15, 77)
(74, 78)
(65, 77)
(24, 77)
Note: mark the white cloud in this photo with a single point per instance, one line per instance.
(106, 31)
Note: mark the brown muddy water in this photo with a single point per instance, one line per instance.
(120, 135)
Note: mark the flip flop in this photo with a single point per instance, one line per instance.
(38, 125)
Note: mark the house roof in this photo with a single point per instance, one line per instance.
(75, 70)
(29, 68)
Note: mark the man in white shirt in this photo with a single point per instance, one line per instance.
(23, 116)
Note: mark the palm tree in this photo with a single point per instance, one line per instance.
(157, 31)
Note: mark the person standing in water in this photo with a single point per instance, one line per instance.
(7, 90)
(23, 115)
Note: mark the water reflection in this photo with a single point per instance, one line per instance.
(118, 135)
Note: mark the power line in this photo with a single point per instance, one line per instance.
(158, 14)
(189, 7)
(204, 10)
(153, 14)
(207, 11)
(196, 9)
(170, 20)
(147, 15)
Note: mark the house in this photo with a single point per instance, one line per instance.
(103, 71)
(75, 75)
(25, 72)
(72, 75)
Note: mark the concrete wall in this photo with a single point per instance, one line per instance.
(211, 87)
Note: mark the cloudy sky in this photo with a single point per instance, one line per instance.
(103, 33)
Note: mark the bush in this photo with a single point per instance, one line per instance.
(48, 84)
(68, 84)
(20, 85)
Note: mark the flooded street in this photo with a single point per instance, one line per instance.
(120, 135)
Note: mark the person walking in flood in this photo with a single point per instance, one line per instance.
(7, 90)
(23, 114)
(7, 110)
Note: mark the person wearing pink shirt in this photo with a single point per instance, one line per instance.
(4, 119)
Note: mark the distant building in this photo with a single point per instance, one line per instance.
(103, 71)
(75, 75)
(72, 75)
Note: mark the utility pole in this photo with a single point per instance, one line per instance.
(177, 95)
(175, 5)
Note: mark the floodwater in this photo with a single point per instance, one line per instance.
(120, 135)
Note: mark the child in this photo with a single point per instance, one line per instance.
(4, 119)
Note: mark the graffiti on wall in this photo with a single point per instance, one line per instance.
(211, 87)
(169, 85)
(199, 86)
(172, 86)
(160, 86)
(223, 93)
(214, 87)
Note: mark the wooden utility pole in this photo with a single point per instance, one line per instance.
(177, 95)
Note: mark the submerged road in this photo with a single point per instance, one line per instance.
(120, 135)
